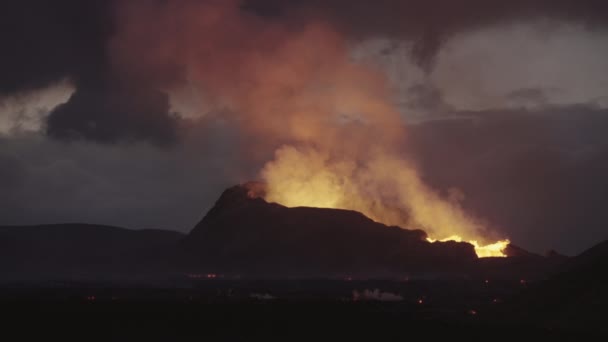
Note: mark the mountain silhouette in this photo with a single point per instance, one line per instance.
(244, 234)
(81, 250)
(574, 298)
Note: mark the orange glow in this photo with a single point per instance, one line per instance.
(385, 188)
(495, 249)
(331, 120)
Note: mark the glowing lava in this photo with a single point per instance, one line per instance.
(495, 249)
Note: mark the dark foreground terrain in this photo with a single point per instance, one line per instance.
(304, 309)
(253, 269)
(285, 321)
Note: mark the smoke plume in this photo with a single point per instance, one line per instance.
(293, 88)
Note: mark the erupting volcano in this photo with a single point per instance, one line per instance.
(403, 202)
(330, 118)
(234, 169)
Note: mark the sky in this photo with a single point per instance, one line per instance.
(139, 114)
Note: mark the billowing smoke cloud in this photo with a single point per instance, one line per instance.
(295, 90)
(69, 39)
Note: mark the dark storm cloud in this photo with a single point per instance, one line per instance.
(46, 41)
(430, 22)
(112, 114)
(538, 176)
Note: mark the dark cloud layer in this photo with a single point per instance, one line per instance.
(110, 115)
(68, 39)
(47, 41)
(429, 22)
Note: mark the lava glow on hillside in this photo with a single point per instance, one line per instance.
(327, 200)
(495, 249)
(385, 189)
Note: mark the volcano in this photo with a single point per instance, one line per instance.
(244, 234)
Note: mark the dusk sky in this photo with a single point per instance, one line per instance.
(140, 113)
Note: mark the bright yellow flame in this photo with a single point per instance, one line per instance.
(385, 188)
(495, 249)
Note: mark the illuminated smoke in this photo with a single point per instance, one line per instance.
(293, 88)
